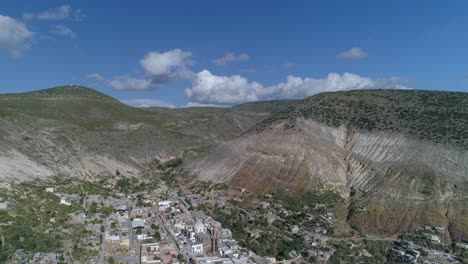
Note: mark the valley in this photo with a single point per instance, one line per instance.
(368, 176)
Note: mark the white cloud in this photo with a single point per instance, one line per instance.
(95, 77)
(64, 31)
(166, 63)
(147, 103)
(193, 104)
(231, 57)
(159, 68)
(129, 83)
(59, 13)
(353, 54)
(15, 37)
(211, 89)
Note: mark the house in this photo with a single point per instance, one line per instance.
(294, 229)
(111, 237)
(143, 236)
(462, 245)
(50, 189)
(435, 239)
(232, 245)
(138, 223)
(199, 227)
(196, 248)
(164, 205)
(121, 208)
(4, 206)
(122, 211)
(65, 201)
(180, 224)
(264, 205)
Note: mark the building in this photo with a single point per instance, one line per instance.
(138, 223)
(196, 248)
(65, 201)
(264, 205)
(150, 253)
(164, 205)
(50, 189)
(435, 239)
(122, 211)
(294, 229)
(199, 227)
(462, 245)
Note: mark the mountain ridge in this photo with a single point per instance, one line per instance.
(394, 180)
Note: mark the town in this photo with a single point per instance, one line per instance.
(176, 220)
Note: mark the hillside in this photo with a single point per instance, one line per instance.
(220, 124)
(77, 131)
(399, 157)
(440, 117)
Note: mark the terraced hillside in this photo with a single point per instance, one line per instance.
(399, 157)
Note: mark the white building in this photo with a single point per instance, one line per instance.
(180, 225)
(65, 201)
(197, 248)
(50, 189)
(462, 245)
(164, 205)
(435, 239)
(294, 229)
(143, 237)
(199, 227)
(111, 237)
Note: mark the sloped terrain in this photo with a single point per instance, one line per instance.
(398, 173)
(77, 131)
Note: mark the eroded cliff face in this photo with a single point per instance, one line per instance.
(393, 182)
(45, 148)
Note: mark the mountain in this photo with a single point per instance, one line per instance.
(77, 131)
(398, 157)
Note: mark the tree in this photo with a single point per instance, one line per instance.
(180, 257)
(102, 229)
(157, 236)
(111, 260)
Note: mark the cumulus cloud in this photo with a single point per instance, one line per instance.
(227, 90)
(159, 68)
(165, 63)
(211, 89)
(230, 57)
(147, 103)
(129, 83)
(15, 37)
(59, 13)
(64, 31)
(353, 54)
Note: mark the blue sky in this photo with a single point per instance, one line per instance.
(179, 53)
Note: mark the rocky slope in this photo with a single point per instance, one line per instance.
(76, 131)
(400, 158)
